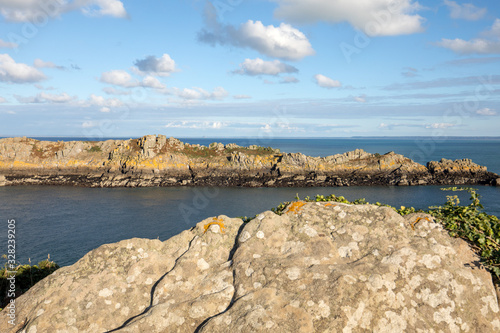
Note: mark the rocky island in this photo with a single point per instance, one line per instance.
(318, 267)
(155, 160)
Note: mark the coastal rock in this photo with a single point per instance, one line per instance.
(133, 162)
(457, 166)
(320, 267)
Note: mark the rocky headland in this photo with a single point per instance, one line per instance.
(161, 161)
(319, 267)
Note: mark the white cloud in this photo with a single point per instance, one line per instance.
(260, 67)
(13, 72)
(152, 82)
(284, 42)
(196, 124)
(123, 79)
(490, 44)
(8, 45)
(105, 109)
(439, 125)
(96, 100)
(46, 98)
(200, 94)
(466, 11)
(39, 63)
(374, 17)
(120, 78)
(486, 112)
(102, 8)
(162, 66)
(53, 98)
(3, 100)
(326, 82)
(35, 10)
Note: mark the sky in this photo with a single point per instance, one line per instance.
(241, 68)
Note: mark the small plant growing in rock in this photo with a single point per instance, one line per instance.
(94, 149)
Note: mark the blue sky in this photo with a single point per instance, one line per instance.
(241, 68)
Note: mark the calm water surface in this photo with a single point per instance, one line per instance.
(67, 222)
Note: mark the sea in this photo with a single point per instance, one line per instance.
(67, 222)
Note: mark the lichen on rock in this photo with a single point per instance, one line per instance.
(321, 268)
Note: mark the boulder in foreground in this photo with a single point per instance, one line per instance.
(320, 267)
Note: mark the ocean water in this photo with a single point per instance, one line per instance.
(67, 222)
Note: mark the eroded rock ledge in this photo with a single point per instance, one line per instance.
(158, 161)
(320, 267)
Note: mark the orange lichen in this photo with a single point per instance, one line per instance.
(296, 207)
(218, 222)
(418, 220)
(328, 204)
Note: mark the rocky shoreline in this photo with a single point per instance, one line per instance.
(161, 161)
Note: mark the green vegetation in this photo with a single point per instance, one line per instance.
(94, 149)
(470, 222)
(25, 277)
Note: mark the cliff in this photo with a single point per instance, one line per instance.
(319, 267)
(158, 161)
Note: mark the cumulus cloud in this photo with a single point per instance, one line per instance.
(35, 10)
(374, 17)
(486, 112)
(39, 63)
(326, 82)
(260, 67)
(284, 41)
(113, 8)
(101, 101)
(118, 78)
(3, 100)
(124, 79)
(13, 72)
(200, 94)
(466, 11)
(46, 98)
(151, 65)
(488, 44)
(8, 45)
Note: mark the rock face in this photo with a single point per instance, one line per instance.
(158, 161)
(320, 267)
